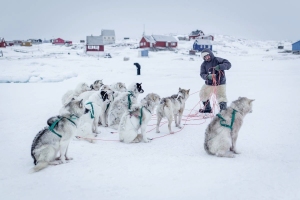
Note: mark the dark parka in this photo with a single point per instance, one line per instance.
(207, 68)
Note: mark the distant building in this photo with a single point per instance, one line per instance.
(206, 37)
(200, 44)
(147, 42)
(108, 36)
(195, 34)
(82, 41)
(158, 41)
(35, 41)
(2, 43)
(17, 42)
(94, 44)
(26, 44)
(58, 41)
(296, 46)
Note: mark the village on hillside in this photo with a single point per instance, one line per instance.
(95, 44)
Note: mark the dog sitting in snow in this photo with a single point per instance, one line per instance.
(222, 132)
(172, 106)
(96, 85)
(56, 138)
(88, 124)
(123, 103)
(137, 118)
(69, 95)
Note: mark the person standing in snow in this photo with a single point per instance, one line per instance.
(212, 71)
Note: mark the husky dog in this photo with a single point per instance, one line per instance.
(96, 85)
(86, 95)
(56, 137)
(69, 95)
(137, 118)
(122, 103)
(170, 106)
(96, 104)
(118, 87)
(222, 132)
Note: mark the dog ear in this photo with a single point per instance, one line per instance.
(250, 101)
(188, 91)
(179, 88)
(81, 103)
(239, 98)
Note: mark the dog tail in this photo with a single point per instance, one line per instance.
(39, 166)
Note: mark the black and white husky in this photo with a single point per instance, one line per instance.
(56, 137)
(96, 104)
(137, 118)
(123, 103)
(172, 106)
(222, 132)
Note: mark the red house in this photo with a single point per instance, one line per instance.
(94, 44)
(2, 43)
(147, 41)
(158, 41)
(58, 41)
(195, 34)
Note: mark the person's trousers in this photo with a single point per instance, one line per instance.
(207, 90)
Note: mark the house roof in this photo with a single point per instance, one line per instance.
(296, 42)
(149, 38)
(94, 40)
(108, 32)
(164, 38)
(203, 42)
(195, 33)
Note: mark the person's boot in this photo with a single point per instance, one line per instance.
(206, 108)
(223, 106)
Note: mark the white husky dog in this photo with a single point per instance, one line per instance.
(172, 106)
(137, 118)
(120, 87)
(222, 132)
(96, 104)
(122, 103)
(56, 138)
(69, 95)
(96, 85)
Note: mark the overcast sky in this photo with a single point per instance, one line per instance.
(74, 20)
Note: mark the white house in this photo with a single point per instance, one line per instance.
(108, 36)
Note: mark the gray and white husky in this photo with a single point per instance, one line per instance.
(96, 85)
(56, 137)
(119, 86)
(123, 103)
(137, 118)
(172, 106)
(222, 132)
(69, 95)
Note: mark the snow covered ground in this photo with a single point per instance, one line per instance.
(171, 167)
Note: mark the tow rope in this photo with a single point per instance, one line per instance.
(91, 111)
(51, 128)
(223, 120)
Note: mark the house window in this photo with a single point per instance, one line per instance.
(93, 47)
(113, 38)
(142, 44)
(173, 43)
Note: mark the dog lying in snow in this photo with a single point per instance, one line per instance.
(137, 118)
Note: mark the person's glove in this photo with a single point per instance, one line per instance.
(210, 76)
(217, 67)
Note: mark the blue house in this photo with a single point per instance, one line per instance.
(199, 45)
(296, 46)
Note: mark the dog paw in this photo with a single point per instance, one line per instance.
(69, 158)
(147, 140)
(236, 152)
(157, 131)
